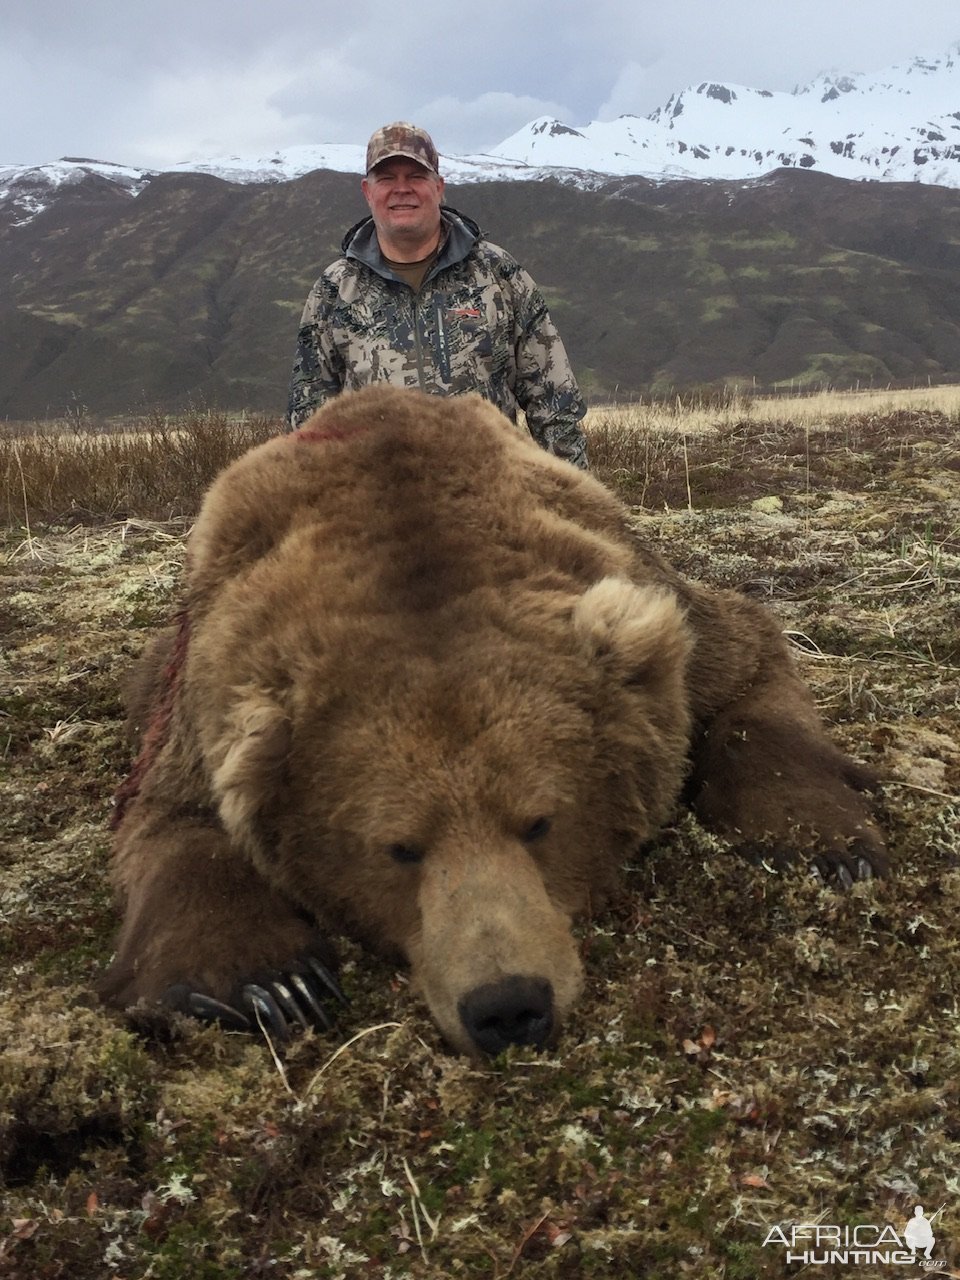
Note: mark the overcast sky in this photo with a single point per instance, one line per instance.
(153, 84)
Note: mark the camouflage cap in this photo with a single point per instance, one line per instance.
(402, 139)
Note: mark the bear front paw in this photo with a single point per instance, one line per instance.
(839, 865)
(276, 1003)
(863, 858)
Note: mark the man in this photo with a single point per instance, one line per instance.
(421, 299)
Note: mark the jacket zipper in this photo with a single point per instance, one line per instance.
(417, 344)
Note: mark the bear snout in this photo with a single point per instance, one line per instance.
(514, 1010)
(495, 956)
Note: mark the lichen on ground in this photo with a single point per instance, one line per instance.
(752, 1050)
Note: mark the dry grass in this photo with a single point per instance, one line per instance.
(156, 468)
(694, 413)
(751, 1051)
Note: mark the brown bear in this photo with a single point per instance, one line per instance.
(429, 687)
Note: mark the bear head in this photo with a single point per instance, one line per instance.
(459, 789)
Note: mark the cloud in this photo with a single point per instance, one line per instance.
(199, 114)
(654, 53)
(338, 99)
(146, 84)
(633, 86)
(460, 127)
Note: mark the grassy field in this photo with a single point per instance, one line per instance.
(693, 413)
(752, 1052)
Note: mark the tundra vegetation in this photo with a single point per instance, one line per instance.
(753, 1050)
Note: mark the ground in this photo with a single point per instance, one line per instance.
(752, 1050)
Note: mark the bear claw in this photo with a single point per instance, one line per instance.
(277, 1004)
(295, 998)
(210, 1010)
(327, 980)
(287, 1002)
(264, 1010)
(309, 999)
(844, 873)
(843, 876)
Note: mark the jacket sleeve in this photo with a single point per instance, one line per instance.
(317, 366)
(546, 388)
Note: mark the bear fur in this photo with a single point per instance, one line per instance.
(429, 687)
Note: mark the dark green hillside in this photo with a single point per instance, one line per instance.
(192, 291)
(799, 278)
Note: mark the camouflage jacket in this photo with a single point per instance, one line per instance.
(478, 323)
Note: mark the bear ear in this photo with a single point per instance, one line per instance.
(638, 633)
(252, 757)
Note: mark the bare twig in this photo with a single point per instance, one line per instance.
(273, 1052)
(367, 1031)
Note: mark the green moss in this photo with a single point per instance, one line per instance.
(187, 1249)
(742, 1261)
(700, 1128)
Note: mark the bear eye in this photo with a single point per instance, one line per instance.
(405, 852)
(536, 830)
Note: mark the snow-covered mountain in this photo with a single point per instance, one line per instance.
(897, 125)
(26, 190)
(901, 124)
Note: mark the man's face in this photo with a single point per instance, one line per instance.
(404, 198)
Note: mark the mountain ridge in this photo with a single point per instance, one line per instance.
(901, 123)
(191, 293)
(898, 124)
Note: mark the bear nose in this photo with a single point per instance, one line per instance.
(514, 1010)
